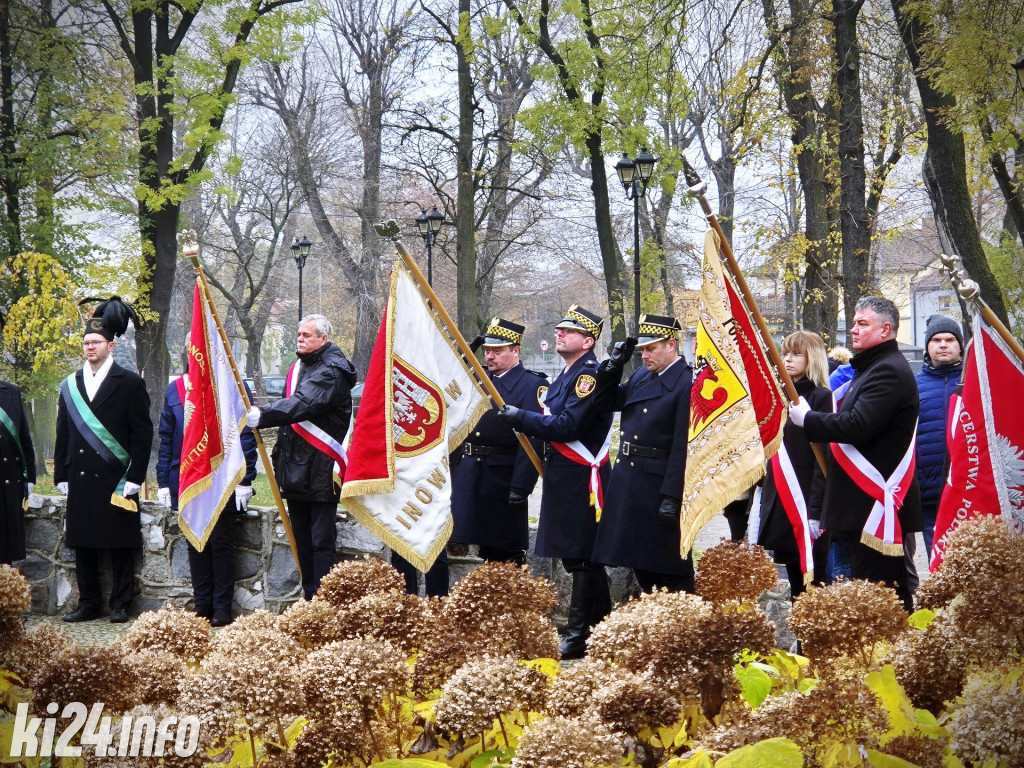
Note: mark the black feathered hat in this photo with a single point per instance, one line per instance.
(110, 318)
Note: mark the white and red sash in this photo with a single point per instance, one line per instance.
(882, 531)
(579, 453)
(313, 434)
(787, 484)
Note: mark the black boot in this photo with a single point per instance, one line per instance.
(577, 627)
(601, 598)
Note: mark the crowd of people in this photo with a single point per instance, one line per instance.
(883, 430)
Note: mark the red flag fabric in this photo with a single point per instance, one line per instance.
(212, 459)
(985, 435)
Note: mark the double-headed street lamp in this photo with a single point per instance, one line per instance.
(300, 250)
(429, 225)
(634, 175)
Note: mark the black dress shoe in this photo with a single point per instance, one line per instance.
(83, 614)
(206, 611)
(221, 617)
(118, 616)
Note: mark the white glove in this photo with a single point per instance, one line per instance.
(130, 489)
(254, 417)
(163, 496)
(814, 528)
(798, 410)
(242, 495)
(63, 488)
(28, 488)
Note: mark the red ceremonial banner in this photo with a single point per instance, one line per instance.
(985, 435)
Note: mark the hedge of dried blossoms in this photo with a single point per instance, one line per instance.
(307, 688)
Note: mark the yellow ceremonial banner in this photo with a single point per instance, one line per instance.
(736, 408)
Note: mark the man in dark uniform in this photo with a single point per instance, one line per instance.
(575, 472)
(104, 435)
(639, 527)
(17, 472)
(872, 451)
(494, 477)
(314, 416)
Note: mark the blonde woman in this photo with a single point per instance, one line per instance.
(794, 486)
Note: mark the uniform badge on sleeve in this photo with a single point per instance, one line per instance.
(585, 385)
(541, 393)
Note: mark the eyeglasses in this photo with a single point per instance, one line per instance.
(94, 343)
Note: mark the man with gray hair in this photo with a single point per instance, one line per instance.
(872, 499)
(313, 417)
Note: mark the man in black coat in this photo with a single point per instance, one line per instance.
(576, 472)
(314, 416)
(17, 472)
(494, 477)
(872, 498)
(104, 435)
(639, 526)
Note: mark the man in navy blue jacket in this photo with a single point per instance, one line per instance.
(494, 477)
(213, 569)
(576, 472)
(936, 381)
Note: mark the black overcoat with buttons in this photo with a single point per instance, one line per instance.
(481, 483)
(122, 406)
(14, 473)
(568, 522)
(655, 414)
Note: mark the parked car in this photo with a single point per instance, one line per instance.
(274, 385)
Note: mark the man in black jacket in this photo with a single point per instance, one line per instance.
(17, 472)
(872, 498)
(314, 416)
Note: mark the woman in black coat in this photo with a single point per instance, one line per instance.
(807, 364)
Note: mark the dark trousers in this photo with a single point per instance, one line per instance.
(650, 581)
(315, 526)
(435, 581)
(87, 573)
(736, 515)
(499, 555)
(820, 550)
(870, 564)
(213, 569)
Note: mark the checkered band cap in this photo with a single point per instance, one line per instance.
(657, 328)
(500, 333)
(579, 319)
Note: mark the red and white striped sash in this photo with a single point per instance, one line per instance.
(579, 453)
(313, 434)
(882, 531)
(787, 484)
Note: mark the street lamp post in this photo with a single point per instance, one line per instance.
(429, 225)
(634, 175)
(300, 250)
(1019, 67)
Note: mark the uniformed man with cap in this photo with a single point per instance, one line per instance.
(104, 436)
(494, 477)
(575, 471)
(639, 527)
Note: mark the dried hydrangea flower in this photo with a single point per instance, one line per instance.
(483, 690)
(987, 723)
(158, 673)
(87, 674)
(847, 618)
(15, 598)
(980, 551)
(342, 740)
(25, 652)
(560, 742)
(918, 750)
(257, 639)
(312, 623)
(401, 619)
(735, 570)
(929, 664)
(169, 758)
(358, 673)
(350, 580)
(169, 630)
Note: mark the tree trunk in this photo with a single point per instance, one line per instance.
(606, 238)
(945, 168)
(467, 318)
(8, 150)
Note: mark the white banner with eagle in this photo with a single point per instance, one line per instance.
(419, 403)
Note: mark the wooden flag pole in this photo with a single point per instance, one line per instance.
(697, 188)
(190, 247)
(390, 230)
(969, 291)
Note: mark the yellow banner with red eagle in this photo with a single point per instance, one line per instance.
(737, 410)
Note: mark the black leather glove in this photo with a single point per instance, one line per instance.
(668, 513)
(516, 497)
(475, 344)
(620, 355)
(510, 416)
